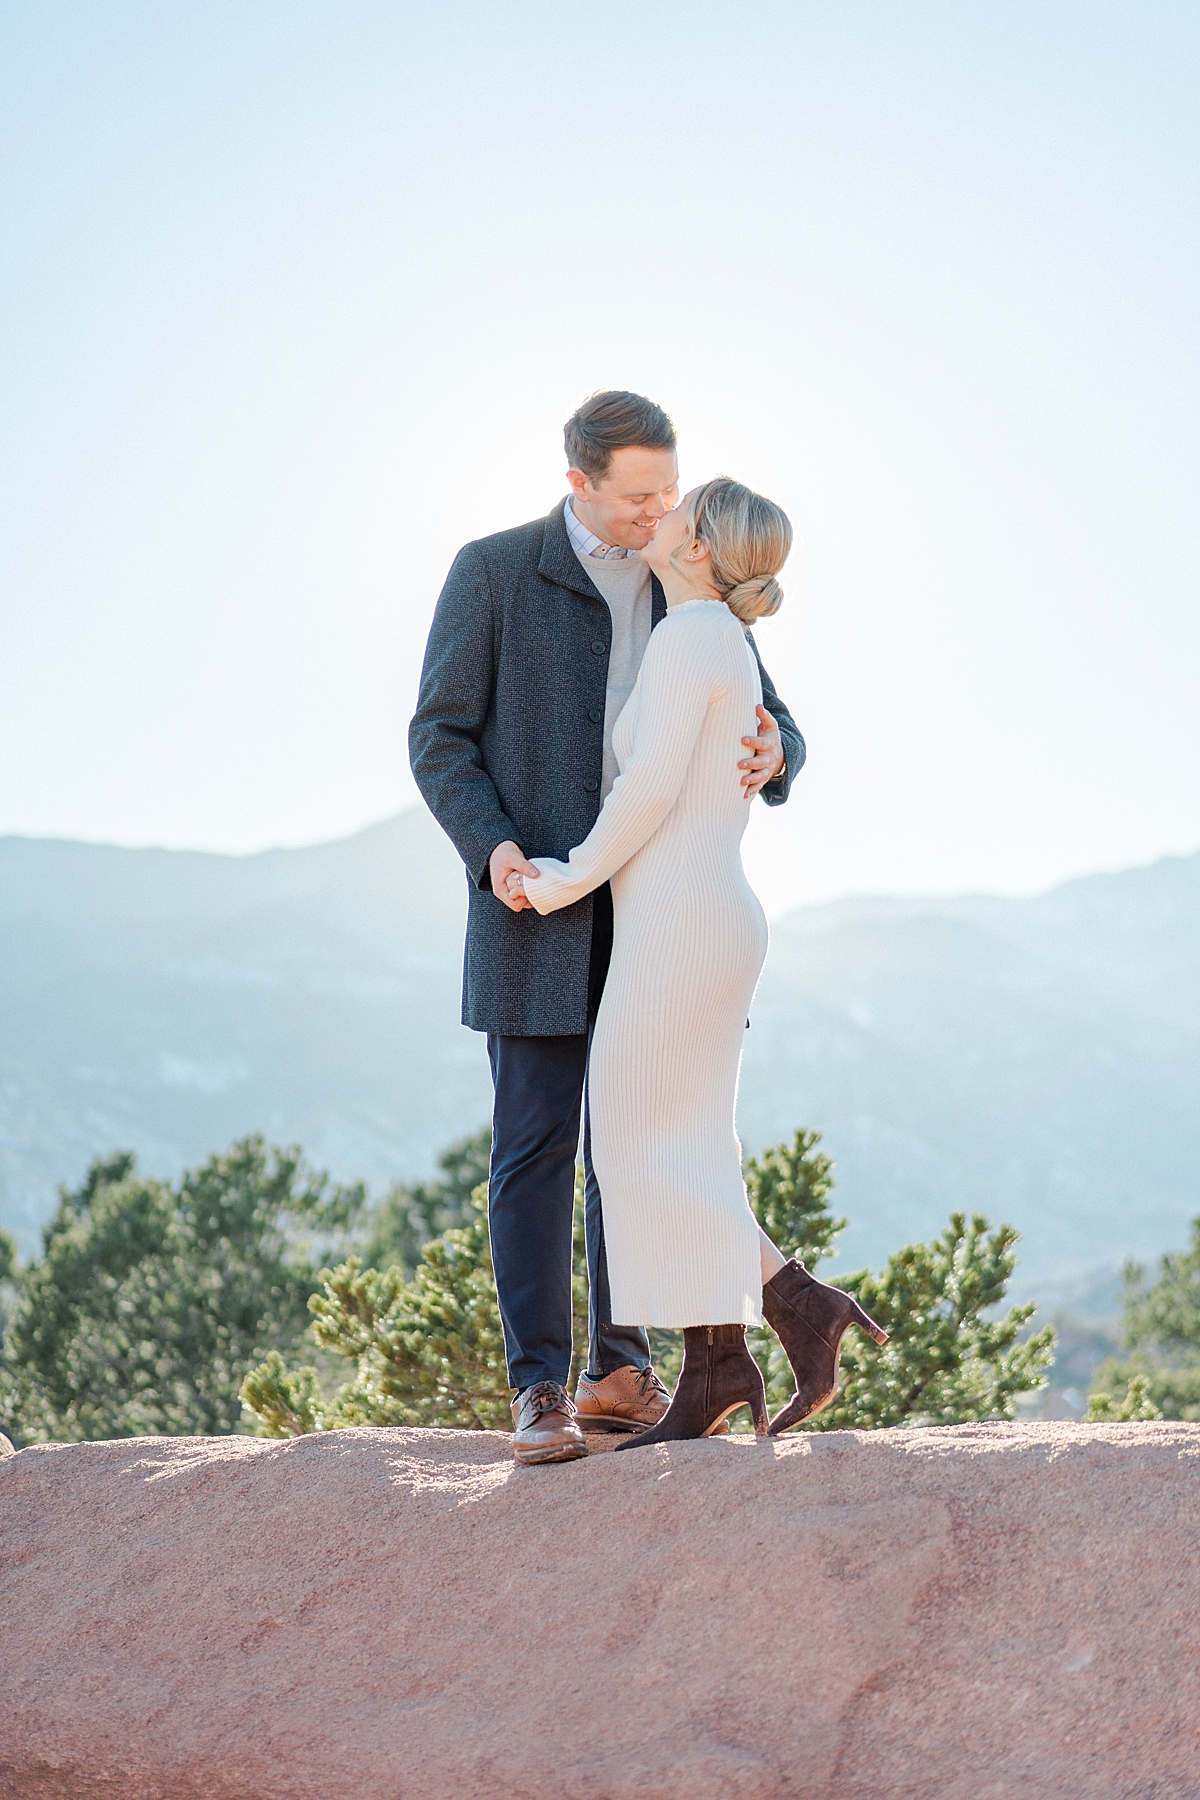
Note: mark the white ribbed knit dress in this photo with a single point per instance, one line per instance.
(689, 938)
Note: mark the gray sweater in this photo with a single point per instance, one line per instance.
(630, 601)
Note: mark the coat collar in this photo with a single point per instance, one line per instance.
(559, 563)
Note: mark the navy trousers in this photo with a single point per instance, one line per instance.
(541, 1086)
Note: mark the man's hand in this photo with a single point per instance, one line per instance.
(765, 762)
(506, 860)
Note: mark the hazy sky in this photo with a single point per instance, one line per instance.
(296, 298)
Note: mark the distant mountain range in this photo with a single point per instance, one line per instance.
(1038, 1060)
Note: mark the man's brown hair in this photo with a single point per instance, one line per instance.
(613, 420)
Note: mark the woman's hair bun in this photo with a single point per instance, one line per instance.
(748, 539)
(756, 598)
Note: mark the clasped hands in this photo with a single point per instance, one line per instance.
(510, 870)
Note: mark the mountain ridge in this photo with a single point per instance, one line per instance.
(1033, 1058)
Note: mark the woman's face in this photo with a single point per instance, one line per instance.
(673, 534)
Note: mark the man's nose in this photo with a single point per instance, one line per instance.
(656, 508)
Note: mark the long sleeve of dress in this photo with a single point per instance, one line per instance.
(684, 666)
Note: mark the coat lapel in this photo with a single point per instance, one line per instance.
(559, 563)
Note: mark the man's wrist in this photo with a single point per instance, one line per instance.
(491, 857)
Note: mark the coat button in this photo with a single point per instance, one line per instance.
(590, 786)
(598, 648)
(594, 714)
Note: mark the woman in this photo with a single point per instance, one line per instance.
(689, 938)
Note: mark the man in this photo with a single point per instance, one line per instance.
(534, 649)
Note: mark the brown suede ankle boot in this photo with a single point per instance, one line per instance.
(810, 1319)
(718, 1375)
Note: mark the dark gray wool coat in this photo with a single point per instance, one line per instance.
(508, 742)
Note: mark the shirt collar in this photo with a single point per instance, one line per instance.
(585, 542)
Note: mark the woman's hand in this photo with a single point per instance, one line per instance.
(767, 759)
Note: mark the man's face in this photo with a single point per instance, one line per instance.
(625, 504)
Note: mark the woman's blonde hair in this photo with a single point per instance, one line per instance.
(748, 538)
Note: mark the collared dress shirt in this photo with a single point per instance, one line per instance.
(585, 542)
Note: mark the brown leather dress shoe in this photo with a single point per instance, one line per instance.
(627, 1400)
(544, 1428)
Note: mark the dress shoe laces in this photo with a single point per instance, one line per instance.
(648, 1383)
(547, 1396)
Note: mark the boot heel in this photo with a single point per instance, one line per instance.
(759, 1413)
(866, 1323)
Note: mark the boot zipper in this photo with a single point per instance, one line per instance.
(708, 1374)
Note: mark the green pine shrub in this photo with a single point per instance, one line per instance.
(1159, 1377)
(427, 1351)
(151, 1298)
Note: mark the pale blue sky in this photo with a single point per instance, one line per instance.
(297, 296)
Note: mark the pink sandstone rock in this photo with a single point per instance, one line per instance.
(979, 1613)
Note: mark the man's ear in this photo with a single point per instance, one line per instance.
(579, 483)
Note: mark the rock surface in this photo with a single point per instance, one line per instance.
(979, 1613)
